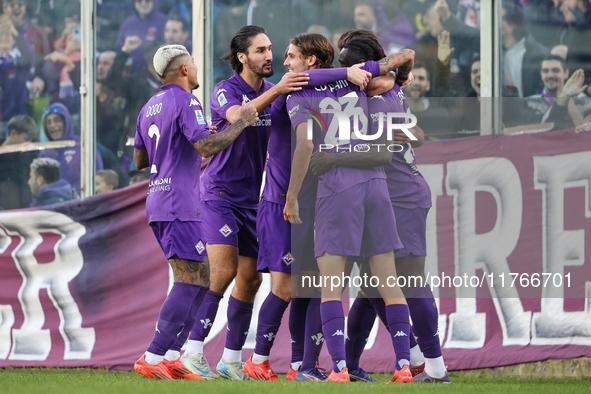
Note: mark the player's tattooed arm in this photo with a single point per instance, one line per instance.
(299, 168)
(140, 159)
(381, 85)
(214, 143)
(403, 61)
(377, 156)
(190, 271)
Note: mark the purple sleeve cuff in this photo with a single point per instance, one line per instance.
(372, 67)
(322, 76)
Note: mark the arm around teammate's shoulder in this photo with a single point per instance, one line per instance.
(290, 82)
(214, 143)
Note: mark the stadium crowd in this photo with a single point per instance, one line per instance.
(545, 60)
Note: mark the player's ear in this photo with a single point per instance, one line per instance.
(312, 60)
(242, 57)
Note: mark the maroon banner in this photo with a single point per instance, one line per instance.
(82, 282)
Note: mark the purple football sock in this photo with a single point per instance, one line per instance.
(172, 316)
(411, 337)
(362, 316)
(239, 315)
(399, 327)
(190, 320)
(314, 338)
(333, 327)
(380, 307)
(423, 311)
(269, 321)
(297, 315)
(205, 316)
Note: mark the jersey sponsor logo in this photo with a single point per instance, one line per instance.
(245, 99)
(199, 115)
(222, 100)
(293, 111)
(264, 122)
(338, 333)
(288, 258)
(333, 86)
(226, 230)
(400, 334)
(200, 247)
(270, 336)
(318, 338)
(194, 102)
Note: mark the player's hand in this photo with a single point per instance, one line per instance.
(320, 162)
(407, 83)
(248, 113)
(212, 129)
(291, 211)
(400, 137)
(574, 86)
(132, 43)
(444, 50)
(357, 76)
(292, 82)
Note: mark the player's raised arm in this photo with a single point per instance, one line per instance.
(247, 116)
(403, 61)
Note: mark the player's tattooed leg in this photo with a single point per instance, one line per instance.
(190, 271)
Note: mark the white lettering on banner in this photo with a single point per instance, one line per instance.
(488, 251)
(561, 248)
(31, 341)
(433, 174)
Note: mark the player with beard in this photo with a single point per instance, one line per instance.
(411, 199)
(280, 255)
(230, 190)
(347, 197)
(172, 126)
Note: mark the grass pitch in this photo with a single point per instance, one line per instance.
(60, 381)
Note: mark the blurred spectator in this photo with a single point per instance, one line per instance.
(554, 104)
(109, 120)
(319, 29)
(183, 8)
(17, 10)
(147, 25)
(104, 63)
(469, 12)
(522, 55)
(14, 74)
(110, 14)
(105, 181)
(431, 117)
(133, 91)
(62, 73)
(466, 39)
(416, 13)
(57, 126)
(14, 167)
(176, 31)
(394, 34)
(46, 185)
(582, 61)
(281, 21)
(137, 176)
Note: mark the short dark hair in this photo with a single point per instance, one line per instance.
(350, 34)
(110, 177)
(475, 58)
(180, 18)
(240, 43)
(23, 124)
(557, 58)
(48, 168)
(418, 65)
(366, 48)
(317, 45)
(514, 15)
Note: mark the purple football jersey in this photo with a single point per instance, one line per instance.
(282, 143)
(407, 187)
(332, 108)
(235, 174)
(167, 127)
